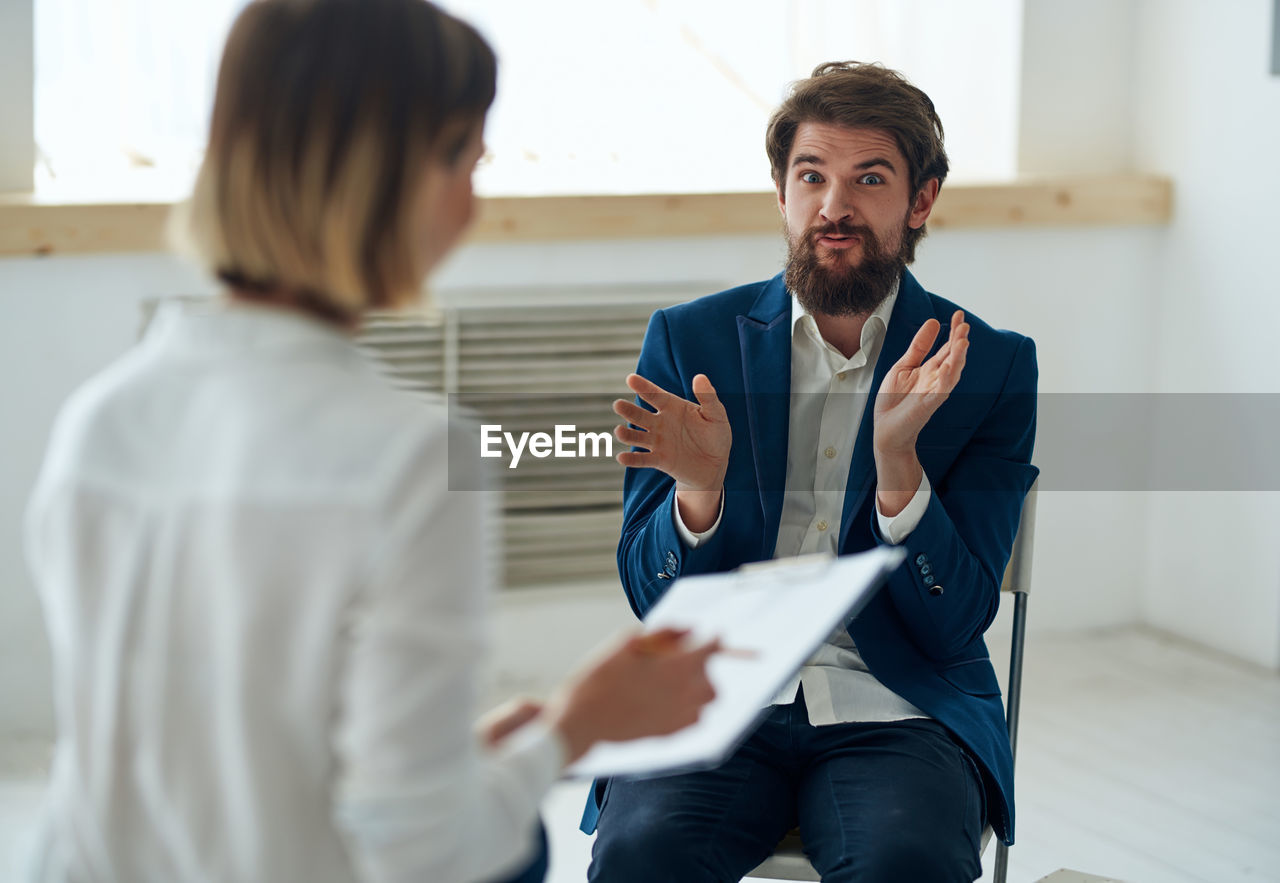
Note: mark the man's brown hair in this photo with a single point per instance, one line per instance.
(863, 96)
(327, 116)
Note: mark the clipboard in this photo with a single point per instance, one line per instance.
(781, 611)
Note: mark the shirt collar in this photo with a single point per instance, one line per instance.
(872, 330)
(220, 323)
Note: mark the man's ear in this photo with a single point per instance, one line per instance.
(923, 204)
(782, 198)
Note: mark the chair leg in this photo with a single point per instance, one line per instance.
(1002, 863)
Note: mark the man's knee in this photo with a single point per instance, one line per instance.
(645, 847)
(921, 856)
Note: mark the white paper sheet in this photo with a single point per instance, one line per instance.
(779, 610)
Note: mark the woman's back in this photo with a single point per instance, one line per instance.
(211, 513)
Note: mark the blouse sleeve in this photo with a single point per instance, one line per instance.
(416, 797)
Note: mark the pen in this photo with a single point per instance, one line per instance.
(665, 642)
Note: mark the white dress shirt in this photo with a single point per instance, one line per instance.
(266, 612)
(828, 396)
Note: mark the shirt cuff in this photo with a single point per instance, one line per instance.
(539, 750)
(899, 527)
(694, 540)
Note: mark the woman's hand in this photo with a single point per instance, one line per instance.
(648, 685)
(504, 720)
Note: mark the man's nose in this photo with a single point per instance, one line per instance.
(837, 207)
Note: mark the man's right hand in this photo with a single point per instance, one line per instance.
(688, 441)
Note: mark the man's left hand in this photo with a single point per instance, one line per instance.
(910, 394)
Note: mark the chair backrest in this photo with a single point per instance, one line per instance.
(1017, 575)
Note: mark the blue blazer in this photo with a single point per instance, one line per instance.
(921, 635)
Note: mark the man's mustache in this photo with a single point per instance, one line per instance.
(817, 231)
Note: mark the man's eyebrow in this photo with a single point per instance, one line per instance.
(877, 161)
(813, 159)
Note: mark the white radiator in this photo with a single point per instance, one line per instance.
(529, 359)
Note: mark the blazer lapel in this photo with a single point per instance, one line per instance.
(910, 311)
(764, 335)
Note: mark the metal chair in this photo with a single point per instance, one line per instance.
(789, 862)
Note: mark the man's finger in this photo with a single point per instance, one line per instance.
(633, 413)
(706, 394)
(957, 346)
(920, 344)
(651, 392)
(938, 358)
(634, 437)
(946, 353)
(638, 459)
(955, 362)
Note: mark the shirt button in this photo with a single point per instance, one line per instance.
(822, 525)
(830, 452)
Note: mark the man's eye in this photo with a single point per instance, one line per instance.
(811, 178)
(872, 179)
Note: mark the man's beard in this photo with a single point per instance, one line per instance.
(836, 288)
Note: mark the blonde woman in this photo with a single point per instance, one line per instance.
(264, 602)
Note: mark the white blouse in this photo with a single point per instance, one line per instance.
(266, 612)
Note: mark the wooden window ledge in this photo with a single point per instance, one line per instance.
(31, 225)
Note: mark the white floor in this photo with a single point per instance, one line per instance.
(1141, 758)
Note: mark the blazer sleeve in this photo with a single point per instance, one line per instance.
(948, 591)
(650, 551)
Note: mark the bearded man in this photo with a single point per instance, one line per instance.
(752, 440)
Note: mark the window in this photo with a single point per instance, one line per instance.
(628, 96)
(123, 92)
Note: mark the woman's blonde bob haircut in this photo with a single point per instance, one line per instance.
(327, 115)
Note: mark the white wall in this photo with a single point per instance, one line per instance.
(1208, 114)
(1181, 88)
(1077, 86)
(67, 317)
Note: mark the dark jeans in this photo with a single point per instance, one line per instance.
(898, 801)
(537, 870)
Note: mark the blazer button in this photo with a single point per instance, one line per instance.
(928, 580)
(926, 569)
(935, 590)
(922, 558)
